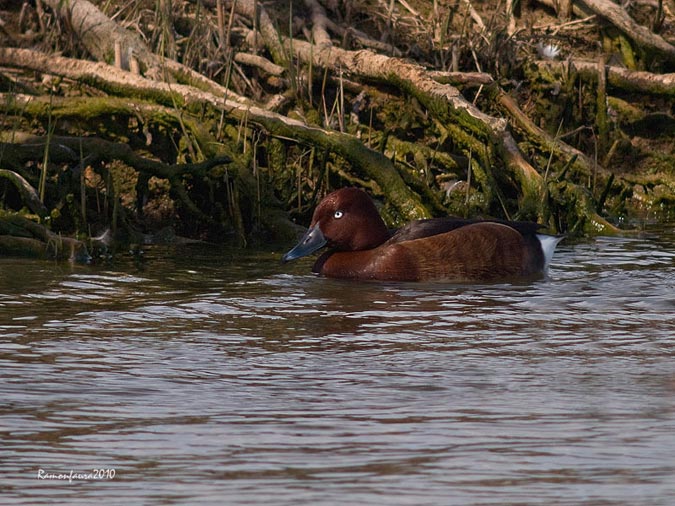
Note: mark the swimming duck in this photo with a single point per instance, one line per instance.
(438, 249)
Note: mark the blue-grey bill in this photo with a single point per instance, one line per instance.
(310, 242)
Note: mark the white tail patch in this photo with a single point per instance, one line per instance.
(548, 244)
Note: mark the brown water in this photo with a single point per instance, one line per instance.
(214, 377)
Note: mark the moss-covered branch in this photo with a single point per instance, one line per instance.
(121, 83)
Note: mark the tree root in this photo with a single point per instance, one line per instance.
(28, 194)
(20, 236)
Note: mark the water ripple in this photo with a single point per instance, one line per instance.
(210, 377)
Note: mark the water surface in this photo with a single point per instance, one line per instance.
(202, 376)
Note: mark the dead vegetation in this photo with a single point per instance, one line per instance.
(218, 120)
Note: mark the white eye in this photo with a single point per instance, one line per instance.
(337, 215)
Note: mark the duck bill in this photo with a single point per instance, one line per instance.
(310, 242)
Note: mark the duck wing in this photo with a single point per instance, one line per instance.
(433, 226)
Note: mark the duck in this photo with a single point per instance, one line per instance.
(361, 247)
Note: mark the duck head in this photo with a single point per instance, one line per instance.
(345, 220)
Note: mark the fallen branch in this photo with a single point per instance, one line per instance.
(99, 34)
(539, 136)
(271, 38)
(320, 21)
(642, 36)
(119, 82)
(67, 149)
(618, 17)
(444, 102)
(461, 78)
(253, 60)
(102, 37)
(617, 77)
(93, 109)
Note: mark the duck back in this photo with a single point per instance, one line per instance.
(434, 226)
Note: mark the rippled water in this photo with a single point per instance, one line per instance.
(217, 377)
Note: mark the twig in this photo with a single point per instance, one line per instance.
(567, 25)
